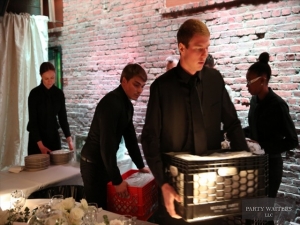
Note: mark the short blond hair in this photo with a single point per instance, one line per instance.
(189, 28)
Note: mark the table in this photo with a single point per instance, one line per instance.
(54, 175)
(33, 203)
(29, 182)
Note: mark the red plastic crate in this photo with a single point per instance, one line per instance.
(142, 202)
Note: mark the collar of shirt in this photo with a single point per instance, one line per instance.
(46, 90)
(266, 99)
(121, 90)
(184, 76)
(126, 99)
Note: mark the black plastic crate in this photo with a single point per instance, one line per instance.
(215, 188)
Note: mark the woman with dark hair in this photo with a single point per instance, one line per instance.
(270, 123)
(46, 103)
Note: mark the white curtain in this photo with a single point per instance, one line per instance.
(23, 47)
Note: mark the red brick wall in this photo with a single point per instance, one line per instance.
(100, 37)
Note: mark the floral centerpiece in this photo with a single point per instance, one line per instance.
(7, 217)
(73, 214)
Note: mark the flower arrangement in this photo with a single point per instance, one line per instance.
(72, 214)
(7, 217)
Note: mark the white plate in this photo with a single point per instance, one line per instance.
(58, 152)
(37, 157)
(35, 169)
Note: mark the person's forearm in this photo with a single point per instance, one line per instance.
(40, 144)
(69, 139)
(132, 146)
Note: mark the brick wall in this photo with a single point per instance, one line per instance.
(100, 37)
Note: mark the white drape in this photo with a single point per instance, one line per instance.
(23, 47)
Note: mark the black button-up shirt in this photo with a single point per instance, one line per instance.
(111, 121)
(168, 119)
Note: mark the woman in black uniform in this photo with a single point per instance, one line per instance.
(270, 123)
(46, 103)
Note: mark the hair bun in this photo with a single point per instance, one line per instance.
(264, 57)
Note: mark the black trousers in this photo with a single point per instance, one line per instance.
(275, 175)
(51, 139)
(95, 179)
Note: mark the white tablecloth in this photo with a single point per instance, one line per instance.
(54, 175)
(33, 203)
(29, 182)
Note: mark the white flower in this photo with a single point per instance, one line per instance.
(116, 222)
(59, 206)
(76, 215)
(67, 213)
(84, 204)
(68, 203)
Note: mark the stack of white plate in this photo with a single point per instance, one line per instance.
(59, 157)
(37, 162)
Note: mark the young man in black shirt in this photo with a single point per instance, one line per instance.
(186, 107)
(112, 120)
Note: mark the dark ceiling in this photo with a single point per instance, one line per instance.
(32, 7)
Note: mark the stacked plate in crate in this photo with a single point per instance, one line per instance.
(212, 187)
(59, 157)
(37, 162)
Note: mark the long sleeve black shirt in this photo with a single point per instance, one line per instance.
(271, 125)
(111, 121)
(168, 119)
(45, 107)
